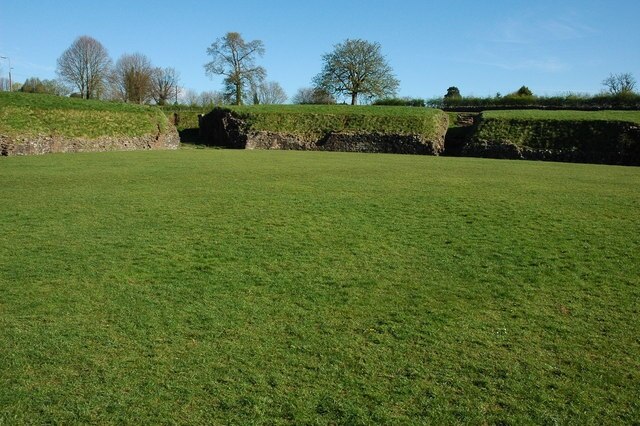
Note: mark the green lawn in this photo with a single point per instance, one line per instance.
(283, 287)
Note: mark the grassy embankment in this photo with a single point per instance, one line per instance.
(24, 115)
(584, 130)
(318, 120)
(296, 287)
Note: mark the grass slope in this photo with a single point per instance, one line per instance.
(23, 115)
(285, 287)
(625, 116)
(318, 120)
(599, 136)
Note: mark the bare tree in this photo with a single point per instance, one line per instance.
(210, 98)
(620, 84)
(164, 85)
(189, 97)
(85, 65)
(270, 92)
(132, 78)
(310, 95)
(357, 67)
(4, 84)
(235, 58)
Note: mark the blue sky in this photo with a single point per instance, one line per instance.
(482, 47)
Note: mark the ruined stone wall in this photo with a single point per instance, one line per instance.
(221, 128)
(36, 145)
(600, 142)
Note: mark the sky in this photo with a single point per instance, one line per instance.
(481, 47)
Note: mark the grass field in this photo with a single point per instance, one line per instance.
(25, 114)
(281, 287)
(319, 120)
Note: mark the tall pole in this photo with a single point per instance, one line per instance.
(8, 59)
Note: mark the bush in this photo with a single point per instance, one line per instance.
(400, 102)
(568, 101)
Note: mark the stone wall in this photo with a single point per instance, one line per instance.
(37, 145)
(586, 141)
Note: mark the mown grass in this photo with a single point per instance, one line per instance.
(280, 287)
(318, 120)
(629, 116)
(24, 115)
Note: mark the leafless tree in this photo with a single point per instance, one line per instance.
(132, 78)
(85, 65)
(210, 99)
(357, 67)
(234, 58)
(164, 85)
(189, 97)
(620, 84)
(269, 92)
(310, 95)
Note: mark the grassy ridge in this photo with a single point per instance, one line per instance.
(597, 135)
(311, 288)
(518, 115)
(318, 120)
(23, 114)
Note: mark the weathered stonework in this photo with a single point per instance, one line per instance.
(169, 139)
(620, 146)
(221, 128)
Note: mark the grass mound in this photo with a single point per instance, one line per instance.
(318, 120)
(281, 287)
(592, 136)
(23, 115)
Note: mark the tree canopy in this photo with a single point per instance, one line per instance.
(85, 65)
(452, 93)
(234, 58)
(620, 84)
(357, 67)
(132, 78)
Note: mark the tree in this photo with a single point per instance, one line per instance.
(310, 95)
(620, 84)
(523, 91)
(52, 87)
(132, 78)
(4, 84)
(85, 65)
(210, 99)
(189, 97)
(453, 93)
(357, 67)
(235, 58)
(164, 85)
(270, 92)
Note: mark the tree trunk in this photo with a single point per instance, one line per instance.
(238, 94)
(354, 99)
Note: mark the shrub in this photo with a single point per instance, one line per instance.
(400, 102)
